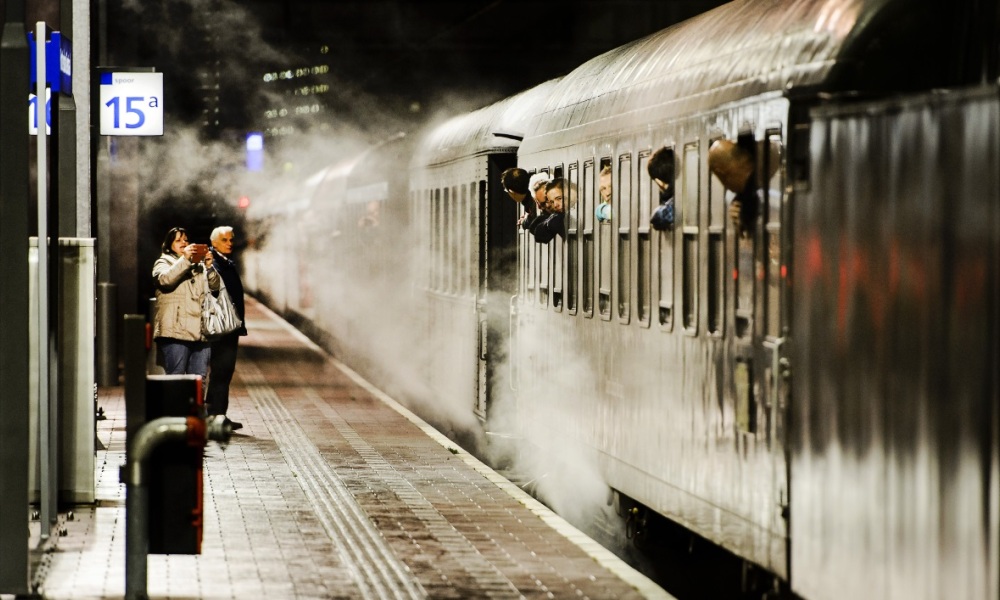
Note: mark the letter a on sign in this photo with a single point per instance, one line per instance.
(131, 104)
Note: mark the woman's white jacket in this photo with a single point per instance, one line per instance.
(179, 289)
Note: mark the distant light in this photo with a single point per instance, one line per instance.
(255, 151)
(255, 141)
(243, 202)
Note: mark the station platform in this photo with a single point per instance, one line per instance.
(332, 490)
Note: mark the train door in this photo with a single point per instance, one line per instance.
(773, 368)
(760, 322)
(498, 256)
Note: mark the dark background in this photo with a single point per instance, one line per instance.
(393, 64)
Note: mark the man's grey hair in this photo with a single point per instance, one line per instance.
(218, 231)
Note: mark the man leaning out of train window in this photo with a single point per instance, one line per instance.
(556, 202)
(661, 170)
(734, 166)
(515, 183)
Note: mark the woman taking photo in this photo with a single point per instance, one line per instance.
(179, 277)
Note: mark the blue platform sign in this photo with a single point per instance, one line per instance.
(58, 62)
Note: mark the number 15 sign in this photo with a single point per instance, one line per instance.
(131, 104)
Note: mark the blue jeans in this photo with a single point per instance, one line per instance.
(185, 358)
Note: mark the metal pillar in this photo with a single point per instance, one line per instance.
(14, 207)
(107, 335)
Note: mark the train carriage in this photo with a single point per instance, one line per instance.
(663, 355)
(464, 223)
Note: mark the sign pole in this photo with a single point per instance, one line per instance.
(45, 437)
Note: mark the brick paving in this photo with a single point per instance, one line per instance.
(333, 490)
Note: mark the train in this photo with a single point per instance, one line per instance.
(816, 393)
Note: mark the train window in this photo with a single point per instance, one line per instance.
(557, 252)
(465, 249)
(745, 266)
(436, 280)
(604, 241)
(449, 241)
(472, 224)
(690, 187)
(643, 257)
(716, 256)
(544, 265)
(462, 247)
(624, 227)
(775, 264)
(531, 276)
(716, 282)
(587, 215)
(429, 236)
(666, 280)
(574, 212)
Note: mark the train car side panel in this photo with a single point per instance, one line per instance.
(894, 363)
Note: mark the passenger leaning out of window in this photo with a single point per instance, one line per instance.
(179, 277)
(733, 164)
(545, 228)
(661, 170)
(603, 210)
(515, 183)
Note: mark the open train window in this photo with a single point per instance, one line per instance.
(624, 230)
(746, 261)
(690, 210)
(665, 262)
(643, 257)
(557, 252)
(604, 241)
(587, 215)
(574, 209)
(775, 271)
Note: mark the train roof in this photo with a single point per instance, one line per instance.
(496, 128)
(738, 50)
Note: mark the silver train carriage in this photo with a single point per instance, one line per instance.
(664, 358)
(679, 364)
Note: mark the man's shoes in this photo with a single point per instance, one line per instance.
(234, 425)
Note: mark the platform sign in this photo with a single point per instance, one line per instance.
(131, 103)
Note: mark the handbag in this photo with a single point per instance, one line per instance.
(218, 314)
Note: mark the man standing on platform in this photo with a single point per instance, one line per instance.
(223, 359)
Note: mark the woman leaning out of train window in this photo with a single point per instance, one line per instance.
(179, 276)
(603, 210)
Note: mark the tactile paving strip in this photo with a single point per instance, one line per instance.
(379, 573)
